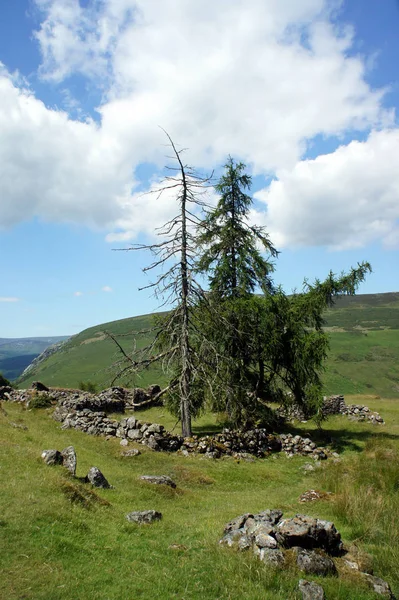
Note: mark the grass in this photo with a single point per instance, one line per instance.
(61, 540)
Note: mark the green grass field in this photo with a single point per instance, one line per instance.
(60, 542)
(364, 355)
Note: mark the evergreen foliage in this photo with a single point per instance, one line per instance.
(268, 344)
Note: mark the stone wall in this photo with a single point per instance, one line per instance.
(333, 405)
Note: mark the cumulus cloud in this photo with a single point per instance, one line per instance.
(77, 294)
(9, 299)
(256, 79)
(345, 199)
(106, 288)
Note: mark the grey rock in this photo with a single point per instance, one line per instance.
(272, 516)
(271, 557)
(52, 457)
(69, 459)
(309, 532)
(235, 537)
(155, 428)
(134, 434)
(237, 523)
(124, 442)
(132, 452)
(314, 563)
(97, 479)
(159, 480)
(265, 541)
(244, 543)
(144, 516)
(379, 586)
(310, 590)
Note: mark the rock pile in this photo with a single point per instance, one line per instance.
(314, 544)
(291, 445)
(359, 412)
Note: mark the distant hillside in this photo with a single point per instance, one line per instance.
(17, 353)
(364, 357)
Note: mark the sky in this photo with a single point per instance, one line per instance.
(305, 93)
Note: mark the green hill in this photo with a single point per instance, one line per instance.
(364, 357)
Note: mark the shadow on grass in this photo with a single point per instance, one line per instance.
(208, 428)
(342, 439)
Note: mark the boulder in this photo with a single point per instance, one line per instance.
(97, 479)
(265, 541)
(237, 523)
(158, 480)
(52, 457)
(69, 459)
(308, 532)
(131, 452)
(271, 557)
(235, 537)
(379, 586)
(310, 590)
(315, 563)
(144, 516)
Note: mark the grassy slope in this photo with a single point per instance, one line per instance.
(53, 548)
(364, 358)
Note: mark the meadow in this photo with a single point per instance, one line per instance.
(61, 540)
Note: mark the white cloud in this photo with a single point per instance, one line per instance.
(9, 299)
(106, 288)
(345, 199)
(256, 79)
(77, 294)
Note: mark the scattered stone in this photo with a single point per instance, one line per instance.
(158, 480)
(144, 516)
(69, 459)
(124, 442)
(52, 457)
(315, 563)
(132, 452)
(379, 586)
(313, 495)
(310, 590)
(18, 425)
(97, 479)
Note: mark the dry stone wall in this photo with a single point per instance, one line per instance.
(333, 405)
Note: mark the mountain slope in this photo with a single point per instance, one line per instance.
(17, 353)
(364, 356)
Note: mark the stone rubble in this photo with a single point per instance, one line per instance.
(89, 413)
(315, 544)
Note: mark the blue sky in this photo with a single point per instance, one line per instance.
(306, 93)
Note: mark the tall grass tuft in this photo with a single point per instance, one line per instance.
(366, 499)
